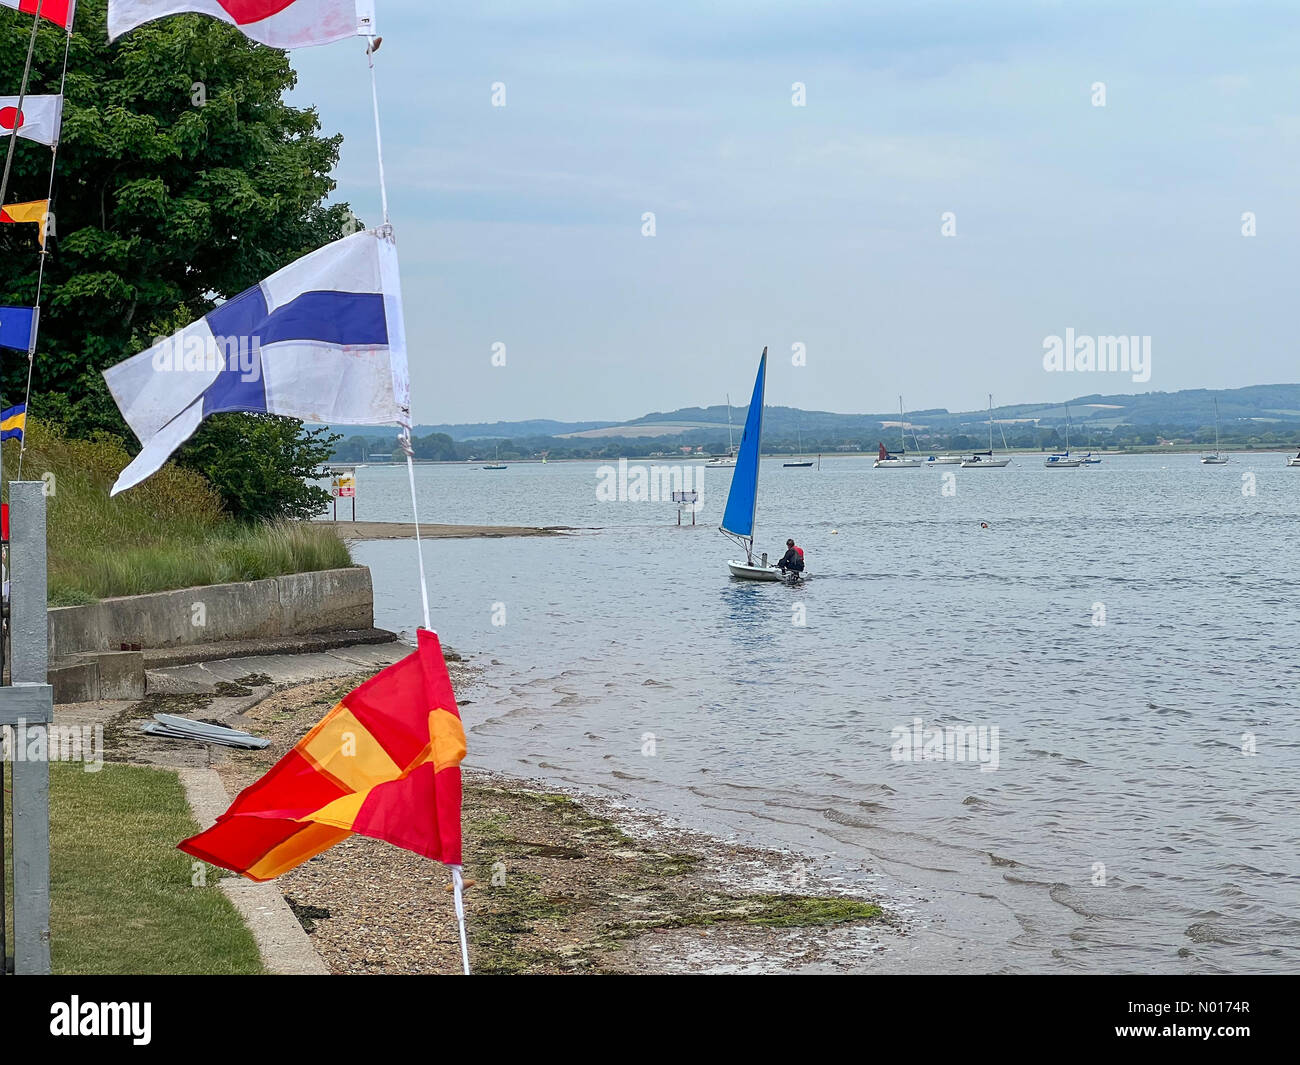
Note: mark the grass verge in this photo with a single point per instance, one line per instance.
(169, 532)
(121, 896)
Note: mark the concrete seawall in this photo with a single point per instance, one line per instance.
(292, 605)
(86, 656)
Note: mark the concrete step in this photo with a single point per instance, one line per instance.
(95, 676)
(262, 674)
(164, 657)
(90, 677)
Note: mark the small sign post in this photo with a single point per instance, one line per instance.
(343, 485)
(686, 498)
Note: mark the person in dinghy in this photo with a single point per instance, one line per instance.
(792, 561)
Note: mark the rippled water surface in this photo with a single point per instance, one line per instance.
(1123, 829)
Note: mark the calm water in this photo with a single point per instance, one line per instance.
(1119, 745)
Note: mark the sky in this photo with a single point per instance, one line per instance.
(819, 228)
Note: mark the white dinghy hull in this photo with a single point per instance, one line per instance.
(753, 573)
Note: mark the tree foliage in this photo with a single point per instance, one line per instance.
(183, 178)
(261, 463)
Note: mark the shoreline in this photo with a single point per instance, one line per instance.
(1179, 449)
(405, 530)
(559, 880)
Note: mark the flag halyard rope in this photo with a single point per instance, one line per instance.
(45, 248)
(404, 440)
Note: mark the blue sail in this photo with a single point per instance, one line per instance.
(742, 500)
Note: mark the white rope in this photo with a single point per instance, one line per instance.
(13, 139)
(22, 97)
(458, 889)
(45, 251)
(405, 442)
(379, 142)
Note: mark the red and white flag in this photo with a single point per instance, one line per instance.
(39, 119)
(279, 23)
(57, 11)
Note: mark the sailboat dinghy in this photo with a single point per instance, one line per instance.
(739, 518)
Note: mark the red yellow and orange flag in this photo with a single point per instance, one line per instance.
(384, 763)
(37, 211)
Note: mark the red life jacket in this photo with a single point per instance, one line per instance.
(800, 550)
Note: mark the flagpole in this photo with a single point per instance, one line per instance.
(457, 877)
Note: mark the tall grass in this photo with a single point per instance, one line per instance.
(169, 532)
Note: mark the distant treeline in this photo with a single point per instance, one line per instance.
(440, 447)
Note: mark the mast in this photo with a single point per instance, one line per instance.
(758, 458)
(902, 432)
(1216, 425)
(990, 423)
(731, 446)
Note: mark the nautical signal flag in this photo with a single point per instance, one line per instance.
(37, 211)
(322, 340)
(279, 23)
(17, 327)
(384, 763)
(13, 422)
(60, 12)
(39, 119)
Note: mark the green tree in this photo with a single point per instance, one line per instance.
(260, 464)
(183, 178)
(438, 447)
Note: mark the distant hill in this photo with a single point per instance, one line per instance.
(1259, 415)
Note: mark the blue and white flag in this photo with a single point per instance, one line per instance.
(322, 340)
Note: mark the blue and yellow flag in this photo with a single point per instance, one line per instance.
(12, 422)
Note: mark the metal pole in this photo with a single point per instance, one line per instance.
(31, 780)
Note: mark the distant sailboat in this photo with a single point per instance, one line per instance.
(498, 465)
(1295, 461)
(1061, 460)
(799, 462)
(742, 500)
(984, 460)
(888, 461)
(727, 461)
(1218, 458)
